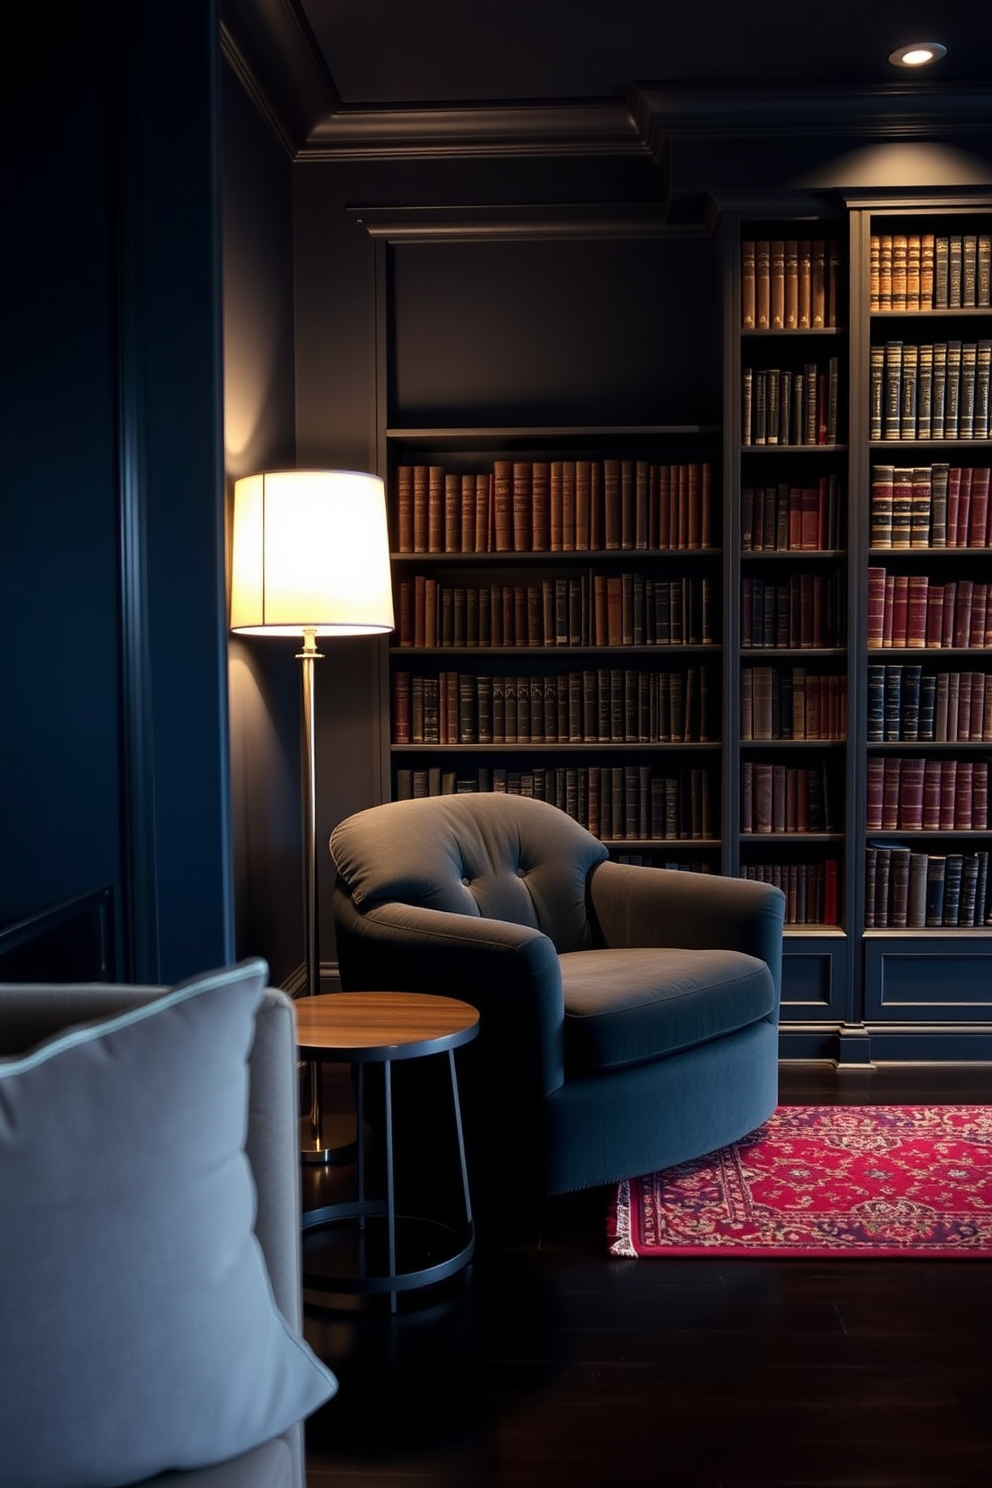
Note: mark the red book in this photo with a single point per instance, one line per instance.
(979, 688)
(964, 508)
(876, 780)
(963, 781)
(935, 613)
(978, 527)
(979, 614)
(962, 613)
(809, 498)
(891, 777)
(980, 796)
(876, 607)
(931, 795)
(950, 601)
(916, 632)
(890, 589)
(953, 501)
(948, 781)
(900, 611)
(911, 795)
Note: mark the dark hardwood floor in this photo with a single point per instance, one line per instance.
(548, 1363)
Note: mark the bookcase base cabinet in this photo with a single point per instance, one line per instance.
(814, 994)
(942, 979)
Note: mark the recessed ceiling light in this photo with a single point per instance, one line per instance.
(917, 54)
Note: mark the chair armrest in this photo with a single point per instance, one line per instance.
(509, 972)
(636, 906)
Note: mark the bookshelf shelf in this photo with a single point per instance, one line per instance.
(468, 436)
(546, 557)
(814, 745)
(565, 747)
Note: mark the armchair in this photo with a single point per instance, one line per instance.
(629, 1015)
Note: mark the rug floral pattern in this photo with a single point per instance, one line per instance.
(823, 1181)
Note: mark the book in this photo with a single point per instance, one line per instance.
(749, 285)
(892, 392)
(936, 878)
(503, 505)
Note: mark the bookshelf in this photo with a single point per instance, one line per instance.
(787, 424)
(923, 335)
(735, 646)
(559, 594)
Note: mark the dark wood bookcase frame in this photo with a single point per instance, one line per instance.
(851, 994)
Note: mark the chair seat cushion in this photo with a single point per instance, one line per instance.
(626, 1006)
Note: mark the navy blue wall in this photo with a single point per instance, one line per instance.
(59, 758)
(113, 676)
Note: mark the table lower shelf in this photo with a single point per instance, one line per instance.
(346, 1249)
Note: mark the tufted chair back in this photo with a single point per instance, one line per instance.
(491, 856)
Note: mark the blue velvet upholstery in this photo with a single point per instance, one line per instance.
(629, 1016)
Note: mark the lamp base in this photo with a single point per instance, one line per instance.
(334, 1145)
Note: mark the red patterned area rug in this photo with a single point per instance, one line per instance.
(815, 1181)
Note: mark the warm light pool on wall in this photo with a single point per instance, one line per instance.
(917, 54)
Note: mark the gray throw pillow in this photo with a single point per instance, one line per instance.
(138, 1331)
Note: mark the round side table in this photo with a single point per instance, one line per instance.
(362, 1028)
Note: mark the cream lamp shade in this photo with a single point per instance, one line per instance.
(310, 552)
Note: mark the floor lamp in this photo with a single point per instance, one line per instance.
(310, 557)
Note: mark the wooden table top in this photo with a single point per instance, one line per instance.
(382, 1025)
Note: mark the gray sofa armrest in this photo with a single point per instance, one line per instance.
(635, 906)
(509, 972)
(36, 1012)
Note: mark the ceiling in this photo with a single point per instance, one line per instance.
(382, 53)
(346, 79)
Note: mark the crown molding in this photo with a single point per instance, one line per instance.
(504, 130)
(274, 56)
(890, 111)
(517, 222)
